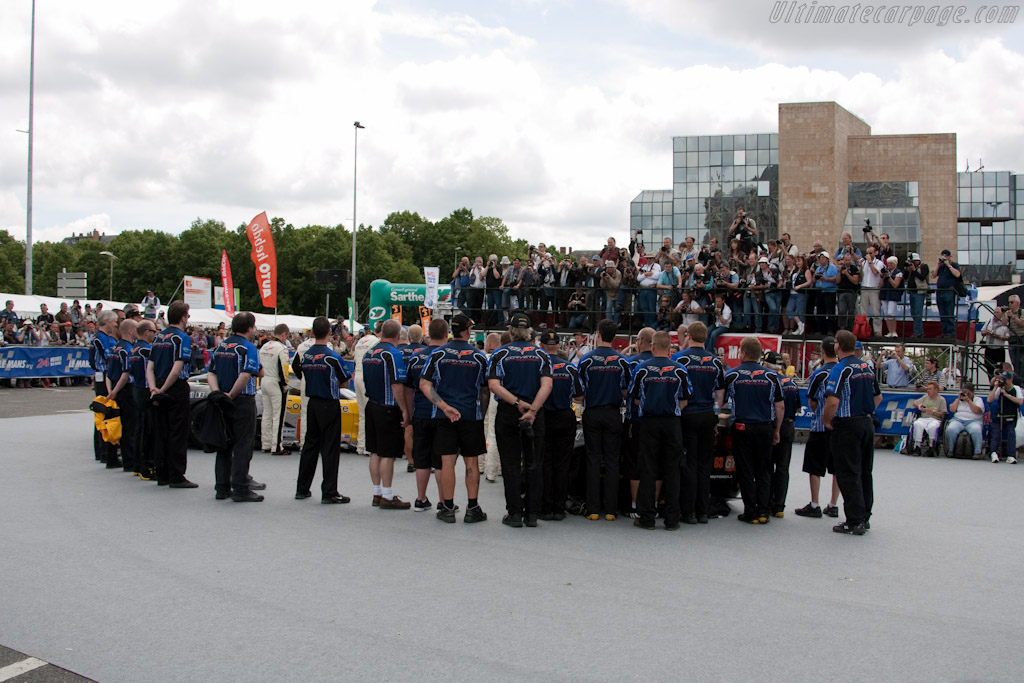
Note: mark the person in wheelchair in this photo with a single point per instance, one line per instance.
(933, 411)
(968, 415)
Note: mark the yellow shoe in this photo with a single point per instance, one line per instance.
(593, 517)
(610, 518)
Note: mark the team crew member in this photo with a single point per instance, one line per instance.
(519, 375)
(300, 351)
(99, 349)
(413, 342)
(321, 367)
(698, 421)
(386, 414)
(274, 390)
(782, 452)
(119, 389)
(559, 429)
(659, 390)
(758, 410)
(454, 381)
(424, 456)
(818, 450)
(631, 427)
(852, 395)
(604, 375)
(167, 372)
(358, 353)
(145, 333)
(234, 367)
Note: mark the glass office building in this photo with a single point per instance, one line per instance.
(892, 208)
(990, 225)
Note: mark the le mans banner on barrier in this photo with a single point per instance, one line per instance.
(26, 362)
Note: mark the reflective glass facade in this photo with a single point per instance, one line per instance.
(990, 227)
(892, 208)
(651, 212)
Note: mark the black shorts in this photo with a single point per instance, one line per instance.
(384, 434)
(424, 455)
(465, 437)
(818, 454)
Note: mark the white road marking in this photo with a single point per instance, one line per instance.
(18, 668)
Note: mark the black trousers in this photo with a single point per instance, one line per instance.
(323, 438)
(782, 453)
(825, 307)
(602, 435)
(661, 442)
(129, 427)
(231, 466)
(101, 449)
(559, 437)
(853, 448)
(699, 442)
(752, 448)
(475, 303)
(170, 432)
(143, 429)
(521, 459)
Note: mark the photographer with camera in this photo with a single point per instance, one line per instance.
(871, 285)
(916, 283)
(891, 293)
(1003, 429)
(475, 293)
(611, 280)
(883, 250)
(846, 246)
(897, 368)
(460, 284)
(968, 415)
(744, 229)
(565, 279)
(1012, 316)
(847, 290)
(947, 276)
(995, 334)
(493, 278)
(826, 281)
(519, 375)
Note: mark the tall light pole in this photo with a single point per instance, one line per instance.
(31, 132)
(355, 225)
(110, 292)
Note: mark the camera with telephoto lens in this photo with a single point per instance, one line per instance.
(867, 226)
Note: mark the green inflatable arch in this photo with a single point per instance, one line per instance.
(384, 294)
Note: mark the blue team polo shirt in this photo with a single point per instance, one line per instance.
(565, 384)
(99, 349)
(604, 374)
(790, 397)
(853, 382)
(520, 365)
(382, 367)
(117, 360)
(657, 387)
(707, 374)
(231, 358)
(323, 371)
(754, 389)
(170, 346)
(422, 408)
(458, 371)
(137, 363)
(816, 390)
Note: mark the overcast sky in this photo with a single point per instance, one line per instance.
(551, 115)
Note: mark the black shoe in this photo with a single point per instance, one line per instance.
(128, 468)
(410, 468)
(440, 506)
(162, 483)
(847, 528)
(301, 495)
(690, 519)
(749, 519)
(674, 526)
(531, 520)
(446, 515)
(809, 511)
(514, 520)
(474, 514)
(546, 516)
(183, 484)
(247, 497)
(222, 495)
(867, 526)
(762, 518)
(114, 464)
(336, 499)
(702, 519)
(831, 511)
(148, 474)
(641, 524)
(421, 505)
(557, 516)
(255, 485)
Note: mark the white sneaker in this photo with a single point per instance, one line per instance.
(799, 329)
(1012, 460)
(994, 456)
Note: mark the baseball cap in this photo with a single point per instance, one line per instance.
(772, 358)
(609, 264)
(858, 345)
(914, 256)
(519, 320)
(548, 337)
(763, 259)
(945, 252)
(461, 323)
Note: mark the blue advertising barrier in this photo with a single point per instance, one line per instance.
(29, 362)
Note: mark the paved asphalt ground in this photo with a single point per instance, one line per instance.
(121, 580)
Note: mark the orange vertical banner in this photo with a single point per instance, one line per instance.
(264, 257)
(396, 313)
(424, 317)
(225, 279)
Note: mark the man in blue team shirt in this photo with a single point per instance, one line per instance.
(659, 390)
(454, 381)
(234, 367)
(424, 456)
(99, 349)
(698, 421)
(386, 414)
(631, 435)
(818, 450)
(167, 373)
(758, 410)
(412, 341)
(946, 276)
(145, 333)
(322, 369)
(559, 428)
(852, 395)
(519, 375)
(782, 452)
(119, 389)
(604, 376)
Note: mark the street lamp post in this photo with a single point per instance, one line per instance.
(31, 132)
(355, 225)
(110, 291)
